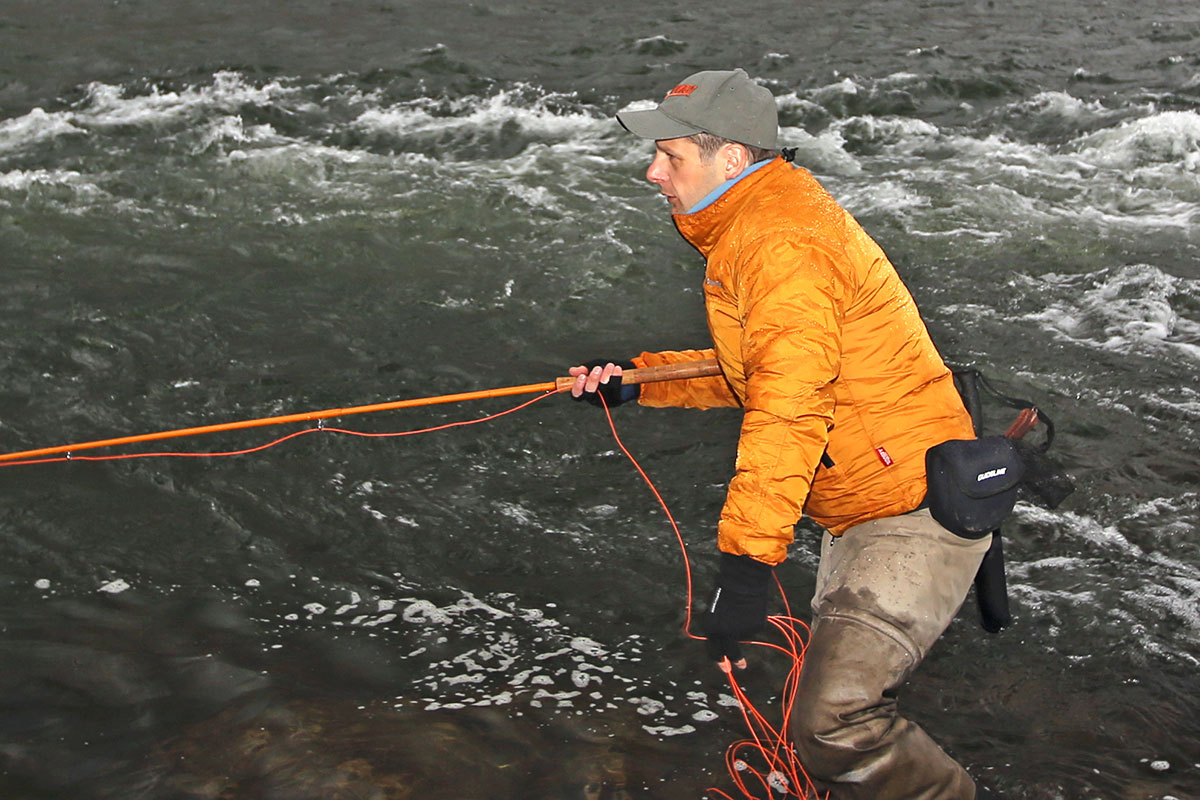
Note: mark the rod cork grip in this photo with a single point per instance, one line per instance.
(672, 372)
(684, 370)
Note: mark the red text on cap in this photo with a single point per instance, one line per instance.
(682, 90)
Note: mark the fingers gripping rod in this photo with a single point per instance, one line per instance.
(666, 372)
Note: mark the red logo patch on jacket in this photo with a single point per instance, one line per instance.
(883, 456)
(682, 90)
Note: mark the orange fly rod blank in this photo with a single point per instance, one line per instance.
(666, 372)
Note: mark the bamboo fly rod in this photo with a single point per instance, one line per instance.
(665, 372)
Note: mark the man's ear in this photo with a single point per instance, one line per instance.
(737, 158)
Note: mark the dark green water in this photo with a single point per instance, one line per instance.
(214, 211)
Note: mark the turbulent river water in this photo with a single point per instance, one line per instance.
(224, 210)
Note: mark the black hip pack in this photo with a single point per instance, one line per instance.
(973, 483)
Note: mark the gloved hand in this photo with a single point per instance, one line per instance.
(613, 392)
(738, 606)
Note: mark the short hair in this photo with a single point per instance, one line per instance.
(709, 144)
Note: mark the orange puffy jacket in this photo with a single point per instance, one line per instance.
(822, 346)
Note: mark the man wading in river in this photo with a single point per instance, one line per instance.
(842, 392)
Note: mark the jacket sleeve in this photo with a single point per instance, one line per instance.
(711, 392)
(791, 299)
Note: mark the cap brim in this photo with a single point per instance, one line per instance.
(654, 124)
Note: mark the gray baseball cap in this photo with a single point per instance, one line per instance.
(725, 103)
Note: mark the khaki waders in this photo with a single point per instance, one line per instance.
(886, 589)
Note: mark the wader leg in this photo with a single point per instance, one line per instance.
(885, 591)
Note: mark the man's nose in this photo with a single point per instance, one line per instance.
(654, 172)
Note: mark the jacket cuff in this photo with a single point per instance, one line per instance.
(744, 575)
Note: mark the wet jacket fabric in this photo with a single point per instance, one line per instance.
(822, 346)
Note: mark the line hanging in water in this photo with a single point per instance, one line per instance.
(777, 768)
(666, 372)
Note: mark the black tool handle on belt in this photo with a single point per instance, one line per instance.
(991, 588)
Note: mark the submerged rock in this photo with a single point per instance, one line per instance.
(335, 750)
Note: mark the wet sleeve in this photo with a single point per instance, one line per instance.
(711, 392)
(790, 298)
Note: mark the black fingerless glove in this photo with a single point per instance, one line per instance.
(613, 392)
(737, 608)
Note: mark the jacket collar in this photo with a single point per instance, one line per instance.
(704, 228)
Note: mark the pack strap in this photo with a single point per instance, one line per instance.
(969, 381)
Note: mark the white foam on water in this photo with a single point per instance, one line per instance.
(639, 105)
(1061, 105)
(823, 153)
(658, 40)
(882, 131)
(778, 781)
(602, 510)
(647, 706)
(206, 120)
(1140, 174)
(279, 156)
(1128, 309)
(1153, 595)
(479, 652)
(668, 731)
(426, 116)
(109, 106)
(1107, 537)
(563, 145)
(212, 107)
(845, 87)
(425, 612)
(787, 103)
(1171, 516)
(231, 129)
(516, 512)
(67, 189)
(22, 180)
(535, 196)
(1165, 137)
(374, 513)
(888, 196)
(35, 127)
(1143, 172)
(1189, 408)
